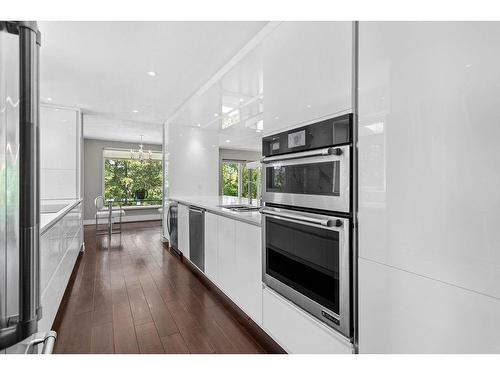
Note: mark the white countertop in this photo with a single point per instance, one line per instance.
(47, 220)
(212, 203)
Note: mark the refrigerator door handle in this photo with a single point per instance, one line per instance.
(48, 341)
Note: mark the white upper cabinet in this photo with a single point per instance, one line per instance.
(429, 100)
(307, 73)
(60, 137)
(183, 229)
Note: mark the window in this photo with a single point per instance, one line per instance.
(133, 182)
(235, 177)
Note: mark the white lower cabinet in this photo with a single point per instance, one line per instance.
(211, 243)
(248, 267)
(59, 248)
(233, 262)
(183, 229)
(225, 256)
(296, 331)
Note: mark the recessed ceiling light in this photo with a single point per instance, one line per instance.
(135, 111)
(308, 106)
(468, 65)
(216, 114)
(242, 100)
(227, 141)
(152, 74)
(199, 125)
(49, 99)
(276, 118)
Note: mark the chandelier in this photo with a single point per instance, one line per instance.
(140, 154)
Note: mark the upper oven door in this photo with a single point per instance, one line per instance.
(306, 259)
(314, 179)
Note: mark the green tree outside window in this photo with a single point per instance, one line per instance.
(136, 182)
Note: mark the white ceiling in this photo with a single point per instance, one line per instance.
(106, 128)
(102, 68)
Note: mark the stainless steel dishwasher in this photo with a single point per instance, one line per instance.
(197, 236)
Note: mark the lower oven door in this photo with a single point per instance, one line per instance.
(306, 259)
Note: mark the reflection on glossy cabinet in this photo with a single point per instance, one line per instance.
(211, 244)
(183, 229)
(307, 73)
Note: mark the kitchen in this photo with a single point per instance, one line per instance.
(313, 194)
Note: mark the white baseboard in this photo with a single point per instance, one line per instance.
(126, 219)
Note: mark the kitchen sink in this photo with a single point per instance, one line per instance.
(240, 207)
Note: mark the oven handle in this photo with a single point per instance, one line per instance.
(323, 222)
(306, 154)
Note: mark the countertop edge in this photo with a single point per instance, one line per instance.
(59, 216)
(219, 212)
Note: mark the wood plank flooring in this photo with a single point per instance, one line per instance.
(137, 297)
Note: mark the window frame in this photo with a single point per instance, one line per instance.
(240, 175)
(241, 164)
(103, 182)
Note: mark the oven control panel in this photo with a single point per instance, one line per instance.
(326, 133)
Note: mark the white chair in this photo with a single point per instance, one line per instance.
(103, 213)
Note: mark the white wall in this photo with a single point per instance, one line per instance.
(60, 137)
(193, 161)
(428, 187)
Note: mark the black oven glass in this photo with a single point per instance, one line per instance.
(312, 179)
(305, 258)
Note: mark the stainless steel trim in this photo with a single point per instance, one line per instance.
(196, 209)
(29, 197)
(300, 218)
(304, 302)
(167, 224)
(305, 154)
(355, 136)
(338, 203)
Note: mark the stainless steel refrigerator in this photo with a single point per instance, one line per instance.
(20, 307)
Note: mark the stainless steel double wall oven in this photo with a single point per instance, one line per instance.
(306, 218)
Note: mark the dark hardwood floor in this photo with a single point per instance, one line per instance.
(137, 297)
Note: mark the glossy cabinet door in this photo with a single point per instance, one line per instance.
(248, 266)
(296, 331)
(59, 149)
(401, 312)
(183, 229)
(428, 175)
(307, 69)
(227, 275)
(211, 246)
(59, 249)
